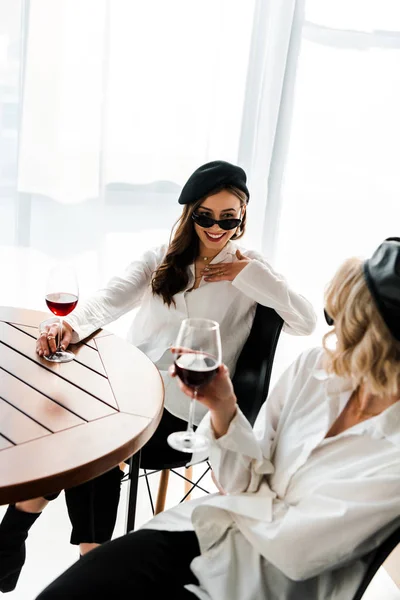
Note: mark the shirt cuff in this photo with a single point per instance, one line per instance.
(239, 437)
(248, 277)
(77, 334)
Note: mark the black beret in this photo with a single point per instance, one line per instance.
(210, 177)
(382, 274)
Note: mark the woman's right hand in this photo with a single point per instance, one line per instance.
(218, 396)
(46, 343)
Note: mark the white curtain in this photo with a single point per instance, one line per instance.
(107, 106)
(116, 103)
(339, 194)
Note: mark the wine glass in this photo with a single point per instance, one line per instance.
(62, 295)
(198, 356)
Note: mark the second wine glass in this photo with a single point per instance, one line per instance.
(62, 295)
(198, 356)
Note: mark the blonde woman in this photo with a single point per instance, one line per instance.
(307, 493)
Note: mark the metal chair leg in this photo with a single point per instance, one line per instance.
(162, 491)
(134, 465)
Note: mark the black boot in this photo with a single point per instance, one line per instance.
(13, 533)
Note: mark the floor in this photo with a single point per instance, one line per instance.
(49, 552)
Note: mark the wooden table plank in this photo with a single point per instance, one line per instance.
(74, 372)
(43, 380)
(124, 364)
(89, 357)
(17, 427)
(32, 403)
(78, 454)
(32, 331)
(4, 443)
(21, 316)
(85, 355)
(91, 340)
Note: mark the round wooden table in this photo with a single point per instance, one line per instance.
(63, 424)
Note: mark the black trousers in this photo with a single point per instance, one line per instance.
(143, 565)
(93, 506)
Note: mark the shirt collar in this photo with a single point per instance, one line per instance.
(228, 250)
(333, 383)
(387, 423)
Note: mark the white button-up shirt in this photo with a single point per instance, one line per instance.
(298, 504)
(231, 304)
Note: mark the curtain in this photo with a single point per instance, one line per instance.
(336, 187)
(115, 104)
(107, 107)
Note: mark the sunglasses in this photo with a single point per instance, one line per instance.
(206, 222)
(328, 319)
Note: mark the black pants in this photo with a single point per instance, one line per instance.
(144, 565)
(93, 506)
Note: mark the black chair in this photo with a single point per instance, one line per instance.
(251, 383)
(375, 560)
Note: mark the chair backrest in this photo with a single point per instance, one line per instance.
(375, 559)
(254, 366)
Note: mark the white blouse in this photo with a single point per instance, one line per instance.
(231, 304)
(300, 509)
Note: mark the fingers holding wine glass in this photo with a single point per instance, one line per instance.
(215, 394)
(61, 298)
(197, 358)
(48, 339)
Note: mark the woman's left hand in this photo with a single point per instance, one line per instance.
(225, 271)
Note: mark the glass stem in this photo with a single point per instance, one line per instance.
(60, 336)
(191, 412)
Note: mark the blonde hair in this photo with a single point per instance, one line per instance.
(365, 350)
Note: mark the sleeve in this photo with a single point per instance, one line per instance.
(331, 526)
(121, 294)
(242, 456)
(262, 284)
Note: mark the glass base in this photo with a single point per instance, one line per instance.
(187, 441)
(60, 356)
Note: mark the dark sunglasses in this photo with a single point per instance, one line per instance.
(328, 319)
(207, 222)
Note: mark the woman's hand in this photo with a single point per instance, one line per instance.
(218, 396)
(225, 271)
(46, 343)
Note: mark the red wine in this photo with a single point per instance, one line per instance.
(61, 304)
(195, 369)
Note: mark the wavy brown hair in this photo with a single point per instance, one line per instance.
(365, 349)
(172, 276)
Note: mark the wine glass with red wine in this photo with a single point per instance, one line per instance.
(62, 295)
(197, 358)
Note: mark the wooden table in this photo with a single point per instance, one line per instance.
(63, 424)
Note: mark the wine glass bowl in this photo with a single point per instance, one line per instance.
(196, 369)
(62, 294)
(197, 358)
(61, 303)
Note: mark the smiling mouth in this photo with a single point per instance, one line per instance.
(213, 237)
